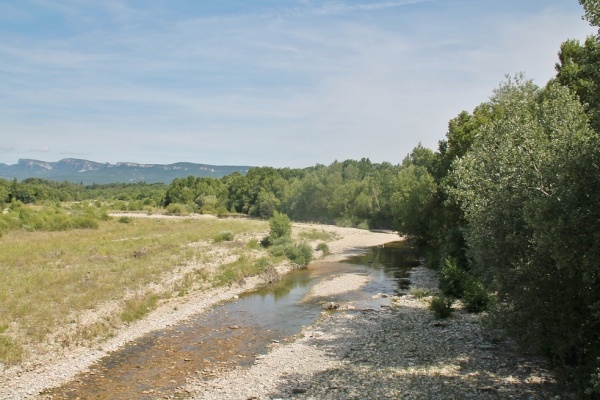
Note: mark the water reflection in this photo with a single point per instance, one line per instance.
(393, 261)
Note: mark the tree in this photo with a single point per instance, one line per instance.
(529, 189)
(280, 226)
(414, 190)
(592, 11)
(579, 69)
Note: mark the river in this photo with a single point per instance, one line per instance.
(232, 334)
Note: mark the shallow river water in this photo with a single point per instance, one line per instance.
(234, 333)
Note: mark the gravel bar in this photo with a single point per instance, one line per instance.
(401, 352)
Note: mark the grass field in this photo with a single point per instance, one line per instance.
(50, 279)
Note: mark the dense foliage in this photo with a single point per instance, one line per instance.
(40, 191)
(349, 193)
(515, 210)
(529, 189)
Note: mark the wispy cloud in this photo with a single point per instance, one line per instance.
(208, 82)
(43, 149)
(340, 7)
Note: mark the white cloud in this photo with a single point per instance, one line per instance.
(293, 84)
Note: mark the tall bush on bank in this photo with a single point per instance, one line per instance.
(530, 189)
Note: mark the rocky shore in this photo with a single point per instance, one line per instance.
(401, 352)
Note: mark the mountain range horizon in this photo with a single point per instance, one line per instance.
(92, 172)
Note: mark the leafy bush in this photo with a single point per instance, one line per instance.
(177, 209)
(453, 279)
(280, 226)
(280, 230)
(475, 297)
(323, 247)
(86, 221)
(594, 387)
(225, 236)
(441, 306)
(124, 220)
(363, 225)
(298, 253)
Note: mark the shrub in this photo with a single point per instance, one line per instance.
(475, 297)
(86, 221)
(224, 236)
(419, 292)
(363, 225)
(594, 387)
(253, 244)
(300, 254)
(441, 306)
(280, 226)
(303, 254)
(177, 209)
(124, 220)
(453, 278)
(323, 247)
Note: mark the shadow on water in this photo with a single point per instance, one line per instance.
(390, 264)
(234, 333)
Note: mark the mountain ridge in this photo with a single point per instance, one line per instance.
(89, 172)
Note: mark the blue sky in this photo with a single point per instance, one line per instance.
(284, 83)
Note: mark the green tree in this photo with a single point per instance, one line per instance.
(579, 69)
(592, 11)
(414, 191)
(280, 227)
(529, 189)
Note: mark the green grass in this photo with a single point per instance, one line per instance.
(138, 306)
(49, 278)
(419, 292)
(10, 351)
(243, 267)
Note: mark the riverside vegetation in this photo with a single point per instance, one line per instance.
(506, 210)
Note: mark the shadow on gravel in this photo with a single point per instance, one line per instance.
(407, 354)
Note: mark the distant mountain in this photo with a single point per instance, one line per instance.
(88, 172)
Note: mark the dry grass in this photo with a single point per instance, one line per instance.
(318, 234)
(49, 277)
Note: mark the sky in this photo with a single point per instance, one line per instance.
(282, 83)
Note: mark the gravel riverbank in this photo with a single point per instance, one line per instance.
(401, 352)
(54, 367)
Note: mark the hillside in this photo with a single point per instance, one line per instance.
(88, 172)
